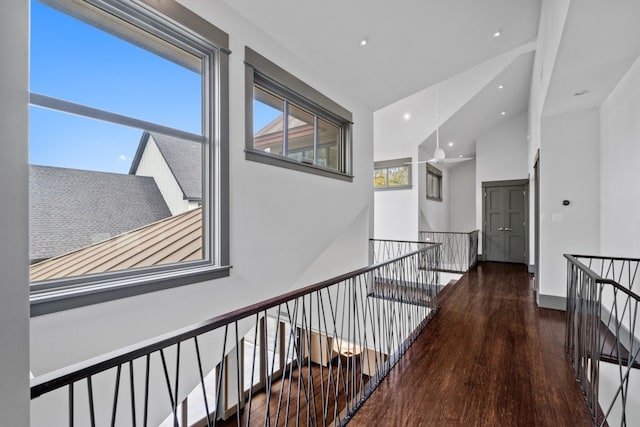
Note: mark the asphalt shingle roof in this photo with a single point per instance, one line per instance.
(71, 208)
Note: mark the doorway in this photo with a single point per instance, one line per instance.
(504, 221)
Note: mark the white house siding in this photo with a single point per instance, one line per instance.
(14, 307)
(286, 227)
(153, 164)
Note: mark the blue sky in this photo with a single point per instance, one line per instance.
(73, 61)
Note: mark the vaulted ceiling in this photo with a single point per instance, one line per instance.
(411, 44)
(414, 46)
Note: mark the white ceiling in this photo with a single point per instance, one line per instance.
(412, 44)
(416, 44)
(600, 41)
(483, 112)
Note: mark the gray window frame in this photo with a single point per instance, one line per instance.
(166, 19)
(434, 172)
(259, 71)
(387, 164)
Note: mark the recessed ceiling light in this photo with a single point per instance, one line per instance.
(504, 113)
(407, 116)
(451, 144)
(581, 92)
(500, 86)
(460, 155)
(497, 34)
(363, 42)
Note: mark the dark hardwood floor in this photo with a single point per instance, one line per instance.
(287, 402)
(490, 357)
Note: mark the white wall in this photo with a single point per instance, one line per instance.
(462, 196)
(14, 303)
(569, 169)
(620, 171)
(501, 154)
(396, 215)
(553, 14)
(282, 223)
(433, 215)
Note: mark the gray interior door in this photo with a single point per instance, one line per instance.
(504, 223)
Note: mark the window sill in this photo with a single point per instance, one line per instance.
(434, 199)
(283, 162)
(47, 300)
(399, 187)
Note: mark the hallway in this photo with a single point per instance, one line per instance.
(490, 357)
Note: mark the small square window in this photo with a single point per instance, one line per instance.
(392, 174)
(434, 183)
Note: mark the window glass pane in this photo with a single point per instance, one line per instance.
(103, 198)
(398, 176)
(380, 178)
(300, 134)
(268, 129)
(329, 139)
(77, 62)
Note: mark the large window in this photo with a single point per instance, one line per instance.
(127, 150)
(290, 124)
(392, 174)
(434, 183)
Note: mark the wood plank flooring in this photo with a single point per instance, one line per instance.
(490, 357)
(289, 397)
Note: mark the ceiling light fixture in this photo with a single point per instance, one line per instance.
(439, 155)
(451, 144)
(504, 113)
(363, 42)
(497, 34)
(500, 86)
(406, 117)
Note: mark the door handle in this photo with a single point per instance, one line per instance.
(500, 229)
(507, 229)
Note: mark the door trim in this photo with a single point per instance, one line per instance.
(507, 183)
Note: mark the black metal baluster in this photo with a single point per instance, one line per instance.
(175, 395)
(71, 406)
(146, 391)
(133, 394)
(168, 381)
(238, 367)
(221, 373)
(115, 396)
(253, 368)
(204, 389)
(92, 414)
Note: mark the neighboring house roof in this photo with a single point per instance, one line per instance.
(71, 208)
(174, 239)
(183, 157)
(272, 133)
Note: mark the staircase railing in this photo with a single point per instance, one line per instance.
(459, 251)
(310, 356)
(602, 319)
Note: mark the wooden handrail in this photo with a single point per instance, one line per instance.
(67, 375)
